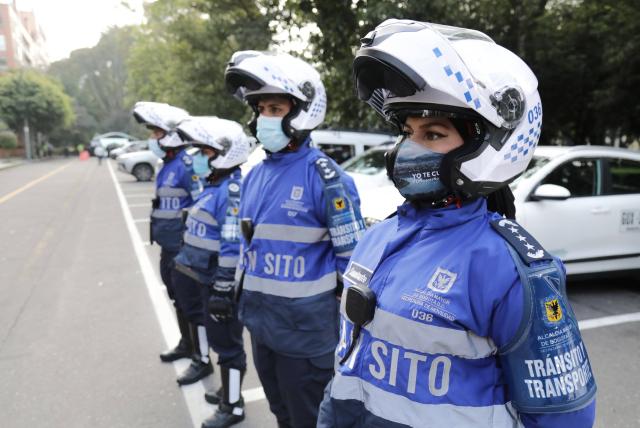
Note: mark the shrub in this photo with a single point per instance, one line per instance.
(8, 140)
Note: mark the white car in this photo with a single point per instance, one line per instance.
(129, 147)
(582, 203)
(142, 165)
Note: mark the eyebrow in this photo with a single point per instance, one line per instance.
(428, 125)
(435, 122)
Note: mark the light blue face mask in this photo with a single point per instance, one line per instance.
(270, 133)
(201, 165)
(416, 172)
(154, 146)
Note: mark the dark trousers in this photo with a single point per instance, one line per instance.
(225, 338)
(166, 267)
(188, 297)
(294, 386)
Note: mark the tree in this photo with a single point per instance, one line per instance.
(586, 54)
(180, 55)
(31, 97)
(96, 78)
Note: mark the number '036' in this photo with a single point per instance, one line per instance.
(535, 113)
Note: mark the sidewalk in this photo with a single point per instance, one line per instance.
(9, 162)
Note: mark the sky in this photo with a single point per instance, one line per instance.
(75, 24)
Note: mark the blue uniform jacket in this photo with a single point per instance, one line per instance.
(176, 188)
(291, 266)
(448, 297)
(212, 236)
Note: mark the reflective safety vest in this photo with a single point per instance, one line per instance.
(212, 236)
(299, 249)
(176, 188)
(448, 299)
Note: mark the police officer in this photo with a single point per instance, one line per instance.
(300, 221)
(453, 315)
(176, 188)
(205, 266)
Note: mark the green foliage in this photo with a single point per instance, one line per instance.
(31, 96)
(180, 55)
(8, 140)
(586, 54)
(96, 79)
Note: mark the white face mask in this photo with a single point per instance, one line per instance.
(270, 133)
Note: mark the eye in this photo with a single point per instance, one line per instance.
(433, 136)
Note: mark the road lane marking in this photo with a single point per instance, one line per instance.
(193, 394)
(608, 321)
(29, 185)
(253, 394)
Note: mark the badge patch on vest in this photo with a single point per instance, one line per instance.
(442, 280)
(553, 310)
(296, 193)
(338, 204)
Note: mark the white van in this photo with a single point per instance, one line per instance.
(343, 145)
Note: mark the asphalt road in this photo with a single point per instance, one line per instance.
(82, 320)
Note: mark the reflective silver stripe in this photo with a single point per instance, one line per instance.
(284, 232)
(166, 214)
(441, 340)
(290, 289)
(401, 410)
(345, 254)
(203, 216)
(206, 244)
(223, 285)
(227, 262)
(171, 191)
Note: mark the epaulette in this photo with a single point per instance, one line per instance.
(234, 188)
(326, 169)
(525, 245)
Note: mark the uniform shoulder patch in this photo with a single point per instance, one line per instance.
(186, 159)
(326, 169)
(234, 188)
(525, 245)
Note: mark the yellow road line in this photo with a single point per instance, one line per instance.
(27, 186)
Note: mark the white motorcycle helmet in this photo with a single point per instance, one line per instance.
(226, 137)
(251, 74)
(406, 67)
(163, 116)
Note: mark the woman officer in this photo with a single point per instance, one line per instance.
(453, 315)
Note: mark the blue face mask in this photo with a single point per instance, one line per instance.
(201, 165)
(270, 133)
(154, 146)
(416, 172)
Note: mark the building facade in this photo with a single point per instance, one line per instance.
(22, 41)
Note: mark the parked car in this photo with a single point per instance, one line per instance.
(142, 164)
(342, 145)
(129, 147)
(339, 145)
(582, 203)
(110, 140)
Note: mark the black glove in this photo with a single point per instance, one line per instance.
(221, 304)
